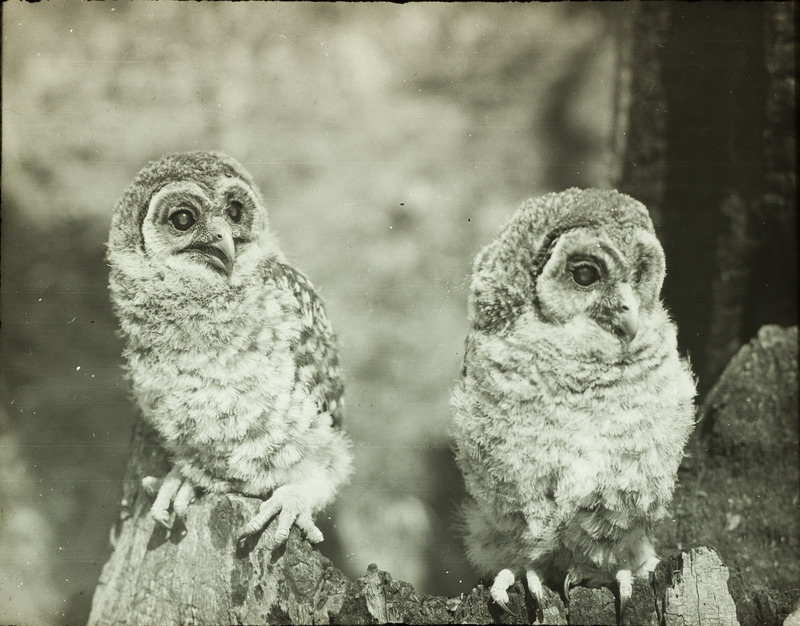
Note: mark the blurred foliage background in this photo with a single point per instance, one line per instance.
(390, 142)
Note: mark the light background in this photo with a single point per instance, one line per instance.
(390, 142)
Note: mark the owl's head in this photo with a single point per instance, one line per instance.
(576, 255)
(194, 213)
(608, 275)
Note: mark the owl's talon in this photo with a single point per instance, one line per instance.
(306, 524)
(290, 506)
(568, 580)
(172, 490)
(625, 580)
(649, 566)
(185, 496)
(162, 517)
(498, 590)
(535, 589)
(504, 606)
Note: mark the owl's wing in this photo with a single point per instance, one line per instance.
(315, 351)
(501, 404)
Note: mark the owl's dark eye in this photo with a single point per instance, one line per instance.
(235, 211)
(182, 220)
(585, 275)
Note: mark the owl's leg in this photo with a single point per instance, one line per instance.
(185, 496)
(291, 506)
(498, 590)
(535, 588)
(173, 490)
(166, 494)
(625, 580)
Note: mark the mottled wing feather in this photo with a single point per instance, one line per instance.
(315, 353)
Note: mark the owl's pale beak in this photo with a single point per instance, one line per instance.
(626, 318)
(217, 246)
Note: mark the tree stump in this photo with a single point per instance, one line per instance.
(197, 574)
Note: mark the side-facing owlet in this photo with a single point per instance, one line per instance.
(574, 405)
(230, 353)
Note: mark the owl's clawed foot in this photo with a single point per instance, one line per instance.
(291, 506)
(151, 484)
(499, 589)
(625, 580)
(504, 580)
(535, 589)
(173, 490)
(569, 579)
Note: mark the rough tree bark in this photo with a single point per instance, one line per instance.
(750, 429)
(196, 574)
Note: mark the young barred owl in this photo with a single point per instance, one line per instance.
(574, 406)
(230, 354)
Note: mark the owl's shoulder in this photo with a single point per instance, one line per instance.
(277, 271)
(315, 346)
(294, 290)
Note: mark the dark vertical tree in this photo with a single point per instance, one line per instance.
(710, 148)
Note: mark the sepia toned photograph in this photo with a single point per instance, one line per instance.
(423, 313)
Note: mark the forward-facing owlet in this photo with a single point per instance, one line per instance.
(574, 405)
(230, 353)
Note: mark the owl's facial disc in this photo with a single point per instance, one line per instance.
(185, 227)
(589, 277)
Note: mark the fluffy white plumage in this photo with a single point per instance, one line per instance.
(574, 405)
(230, 353)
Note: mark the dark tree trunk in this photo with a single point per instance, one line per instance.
(710, 148)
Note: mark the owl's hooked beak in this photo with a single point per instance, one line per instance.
(217, 246)
(626, 317)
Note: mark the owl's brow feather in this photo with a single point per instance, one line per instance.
(549, 242)
(159, 187)
(231, 185)
(184, 191)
